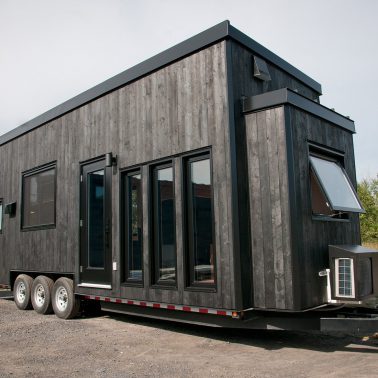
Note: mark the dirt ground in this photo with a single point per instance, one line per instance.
(110, 345)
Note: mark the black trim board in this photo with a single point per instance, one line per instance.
(208, 37)
(243, 39)
(287, 96)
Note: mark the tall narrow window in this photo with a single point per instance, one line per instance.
(38, 197)
(133, 221)
(164, 225)
(1, 216)
(96, 221)
(200, 221)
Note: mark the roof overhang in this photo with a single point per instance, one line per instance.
(287, 96)
(219, 32)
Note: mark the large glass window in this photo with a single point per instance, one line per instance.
(200, 242)
(164, 225)
(133, 221)
(38, 197)
(331, 191)
(96, 221)
(1, 215)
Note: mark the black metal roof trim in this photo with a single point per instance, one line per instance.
(273, 58)
(208, 37)
(287, 96)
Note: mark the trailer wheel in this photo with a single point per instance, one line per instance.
(22, 291)
(65, 304)
(41, 295)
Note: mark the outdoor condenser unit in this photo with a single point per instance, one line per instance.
(354, 272)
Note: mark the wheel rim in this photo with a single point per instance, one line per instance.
(61, 298)
(21, 292)
(39, 295)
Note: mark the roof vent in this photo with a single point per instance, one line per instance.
(260, 69)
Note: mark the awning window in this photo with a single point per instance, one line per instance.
(336, 185)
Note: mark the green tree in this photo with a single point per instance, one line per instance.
(368, 192)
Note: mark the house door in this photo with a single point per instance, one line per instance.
(95, 225)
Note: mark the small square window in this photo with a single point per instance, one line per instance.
(38, 197)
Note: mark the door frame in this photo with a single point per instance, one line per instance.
(87, 275)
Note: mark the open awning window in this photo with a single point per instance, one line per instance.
(336, 185)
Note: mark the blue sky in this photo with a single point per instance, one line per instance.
(52, 50)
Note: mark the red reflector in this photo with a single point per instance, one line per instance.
(118, 300)
(156, 305)
(107, 299)
(171, 307)
(203, 310)
(97, 298)
(87, 297)
(186, 308)
(130, 302)
(221, 313)
(143, 304)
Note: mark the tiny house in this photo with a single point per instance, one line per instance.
(206, 184)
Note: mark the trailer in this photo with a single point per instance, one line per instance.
(205, 185)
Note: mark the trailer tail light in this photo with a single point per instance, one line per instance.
(354, 272)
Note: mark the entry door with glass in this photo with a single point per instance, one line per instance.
(95, 225)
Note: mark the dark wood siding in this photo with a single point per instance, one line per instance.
(310, 236)
(176, 109)
(269, 209)
(245, 85)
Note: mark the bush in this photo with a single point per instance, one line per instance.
(368, 192)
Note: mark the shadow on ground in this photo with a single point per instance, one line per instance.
(266, 339)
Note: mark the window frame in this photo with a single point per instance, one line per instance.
(29, 173)
(324, 190)
(190, 283)
(125, 214)
(154, 244)
(336, 157)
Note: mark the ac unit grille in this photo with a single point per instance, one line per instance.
(344, 278)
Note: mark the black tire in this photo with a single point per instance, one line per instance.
(41, 295)
(22, 291)
(65, 304)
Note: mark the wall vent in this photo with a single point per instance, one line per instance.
(260, 69)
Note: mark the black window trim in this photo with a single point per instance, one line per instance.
(154, 258)
(337, 157)
(32, 172)
(125, 173)
(190, 283)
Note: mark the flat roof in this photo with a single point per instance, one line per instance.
(208, 37)
(288, 96)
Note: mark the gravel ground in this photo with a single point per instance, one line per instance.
(110, 345)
